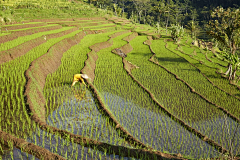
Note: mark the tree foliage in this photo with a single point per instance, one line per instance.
(177, 32)
(224, 28)
(167, 12)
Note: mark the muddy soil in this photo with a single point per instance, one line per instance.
(131, 37)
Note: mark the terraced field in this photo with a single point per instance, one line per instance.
(147, 98)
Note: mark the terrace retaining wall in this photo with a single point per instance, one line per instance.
(92, 58)
(37, 74)
(196, 132)
(17, 34)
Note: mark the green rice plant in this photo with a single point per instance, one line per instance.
(13, 80)
(203, 86)
(177, 105)
(126, 95)
(90, 130)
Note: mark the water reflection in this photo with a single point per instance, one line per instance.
(155, 128)
(80, 115)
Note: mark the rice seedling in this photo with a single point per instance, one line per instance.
(75, 110)
(123, 95)
(199, 116)
(202, 86)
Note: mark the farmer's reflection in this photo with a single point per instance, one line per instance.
(80, 94)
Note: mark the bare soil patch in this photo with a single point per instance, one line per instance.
(40, 68)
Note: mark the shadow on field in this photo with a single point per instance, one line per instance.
(142, 54)
(66, 84)
(164, 36)
(213, 76)
(170, 59)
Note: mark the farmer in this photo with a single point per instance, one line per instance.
(79, 77)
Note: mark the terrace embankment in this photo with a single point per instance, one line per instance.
(17, 34)
(217, 71)
(65, 19)
(89, 69)
(196, 132)
(38, 71)
(30, 148)
(36, 75)
(86, 24)
(21, 26)
(22, 49)
(192, 89)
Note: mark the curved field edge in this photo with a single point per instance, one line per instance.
(219, 107)
(30, 148)
(128, 68)
(111, 149)
(223, 84)
(65, 19)
(89, 69)
(22, 49)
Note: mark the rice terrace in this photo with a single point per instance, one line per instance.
(152, 92)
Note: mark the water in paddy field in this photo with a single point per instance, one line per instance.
(16, 153)
(79, 115)
(223, 130)
(57, 145)
(156, 129)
